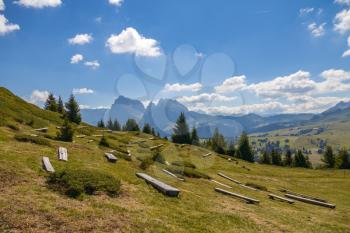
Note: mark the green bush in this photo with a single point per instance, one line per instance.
(183, 164)
(32, 139)
(146, 163)
(76, 182)
(13, 127)
(188, 172)
(157, 157)
(104, 142)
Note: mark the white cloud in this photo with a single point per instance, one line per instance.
(317, 30)
(39, 3)
(342, 21)
(93, 64)
(38, 96)
(116, 2)
(232, 84)
(81, 91)
(84, 106)
(205, 97)
(80, 39)
(76, 59)
(343, 2)
(2, 5)
(305, 11)
(347, 52)
(130, 41)
(6, 27)
(178, 87)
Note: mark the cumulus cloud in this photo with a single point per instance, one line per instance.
(93, 64)
(2, 5)
(317, 30)
(343, 2)
(205, 97)
(39, 3)
(80, 39)
(38, 96)
(6, 27)
(305, 11)
(347, 52)
(116, 2)
(342, 21)
(82, 91)
(232, 84)
(130, 41)
(178, 87)
(76, 58)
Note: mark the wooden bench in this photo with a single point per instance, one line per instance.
(47, 165)
(276, 197)
(310, 201)
(303, 195)
(111, 158)
(172, 174)
(62, 153)
(219, 183)
(156, 147)
(42, 129)
(246, 199)
(229, 178)
(206, 155)
(160, 186)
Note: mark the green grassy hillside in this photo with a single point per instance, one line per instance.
(29, 204)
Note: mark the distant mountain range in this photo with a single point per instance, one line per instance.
(162, 116)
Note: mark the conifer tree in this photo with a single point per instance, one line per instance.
(244, 148)
(343, 159)
(329, 157)
(60, 106)
(51, 103)
(110, 124)
(265, 158)
(73, 110)
(131, 125)
(116, 125)
(275, 157)
(147, 129)
(66, 133)
(194, 137)
(231, 151)
(218, 143)
(300, 160)
(288, 159)
(153, 132)
(101, 124)
(181, 131)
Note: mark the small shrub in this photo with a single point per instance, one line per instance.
(32, 139)
(13, 127)
(188, 172)
(146, 163)
(104, 142)
(30, 123)
(257, 186)
(157, 157)
(183, 164)
(76, 182)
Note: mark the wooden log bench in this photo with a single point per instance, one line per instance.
(156, 147)
(310, 201)
(172, 174)
(160, 186)
(42, 129)
(47, 165)
(206, 155)
(219, 183)
(97, 135)
(105, 130)
(62, 154)
(81, 136)
(111, 158)
(279, 198)
(229, 178)
(246, 199)
(303, 195)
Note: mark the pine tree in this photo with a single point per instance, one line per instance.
(194, 137)
(343, 159)
(265, 158)
(66, 133)
(101, 124)
(231, 151)
(60, 106)
(147, 129)
(300, 160)
(51, 103)
(218, 143)
(110, 124)
(288, 159)
(73, 110)
(275, 157)
(116, 125)
(244, 148)
(153, 132)
(131, 125)
(181, 131)
(329, 157)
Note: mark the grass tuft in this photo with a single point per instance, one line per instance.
(32, 139)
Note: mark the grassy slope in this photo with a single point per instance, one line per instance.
(26, 204)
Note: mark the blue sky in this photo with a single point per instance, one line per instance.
(220, 57)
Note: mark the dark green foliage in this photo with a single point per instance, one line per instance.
(51, 103)
(66, 132)
(194, 137)
(110, 124)
(329, 157)
(153, 132)
(131, 125)
(104, 142)
(158, 157)
(183, 164)
(147, 129)
(181, 131)
(343, 159)
(101, 124)
(231, 151)
(75, 182)
(288, 159)
(256, 186)
(276, 158)
(32, 139)
(146, 162)
(265, 158)
(218, 143)
(244, 148)
(188, 172)
(116, 125)
(300, 160)
(60, 106)
(73, 110)
(12, 126)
